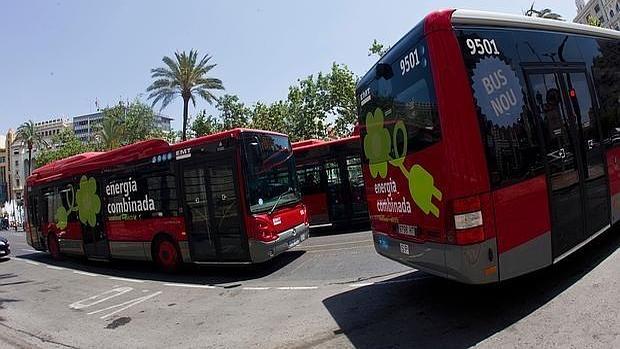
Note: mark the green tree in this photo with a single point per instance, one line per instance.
(233, 112)
(270, 117)
(377, 48)
(544, 13)
(127, 124)
(341, 86)
(205, 124)
(308, 104)
(65, 144)
(594, 21)
(183, 76)
(27, 134)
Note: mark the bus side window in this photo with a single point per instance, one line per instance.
(606, 74)
(310, 179)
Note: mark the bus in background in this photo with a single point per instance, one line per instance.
(490, 143)
(230, 197)
(331, 181)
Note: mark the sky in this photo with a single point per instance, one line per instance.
(59, 57)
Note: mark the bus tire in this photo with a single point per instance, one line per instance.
(166, 254)
(53, 246)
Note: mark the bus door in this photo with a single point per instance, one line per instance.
(335, 191)
(575, 163)
(212, 208)
(359, 206)
(95, 238)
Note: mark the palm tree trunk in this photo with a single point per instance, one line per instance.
(185, 105)
(29, 160)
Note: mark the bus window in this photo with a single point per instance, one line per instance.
(310, 179)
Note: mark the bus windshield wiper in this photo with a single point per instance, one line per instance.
(288, 191)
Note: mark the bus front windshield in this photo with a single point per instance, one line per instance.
(270, 176)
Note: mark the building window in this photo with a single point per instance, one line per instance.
(611, 13)
(597, 8)
(601, 19)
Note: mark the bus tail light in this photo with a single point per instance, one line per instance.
(264, 231)
(468, 225)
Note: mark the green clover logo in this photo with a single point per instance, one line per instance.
(377, 144)
(88, 202)
(61, 217)
(422, 189)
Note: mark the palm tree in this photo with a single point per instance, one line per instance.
(183, 76)
(110, 133)
(27, 134)
(544, 13)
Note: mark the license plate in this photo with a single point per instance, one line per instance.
(404, 249)
(293, 243)
(405, 229)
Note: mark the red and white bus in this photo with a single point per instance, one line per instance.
(230, 197)
(490, 143)
(331, 181)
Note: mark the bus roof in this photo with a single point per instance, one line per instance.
(90, 161)
(315, 143)
(447, 18)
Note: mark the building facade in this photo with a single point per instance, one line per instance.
(85, 126)
(4, 169)
(606, 11)
(20, 164)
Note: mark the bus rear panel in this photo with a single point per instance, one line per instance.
(487, 143)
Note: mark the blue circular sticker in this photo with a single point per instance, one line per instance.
(498, 91)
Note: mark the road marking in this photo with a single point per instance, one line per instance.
(55, 267)
(339, 243)
(189, 285)
(31, 262)
(124, 279)
(364, 284)
(297, 288)
(125, 305)
(29, 250)
(84, 273)
(256, 288)
(339, 249)
(98, 298)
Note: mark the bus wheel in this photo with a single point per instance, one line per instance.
(53, 246)
(167, 256)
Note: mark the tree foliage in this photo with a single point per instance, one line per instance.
(377, 48)
(233, 112)
(544, 13)
(127, 124)
(28, 135)
(65, 144)
(184, 76)
(205, 124)
(594, 21)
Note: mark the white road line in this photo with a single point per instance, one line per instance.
(189, 285)
(124, 279)
(124, 305)
(256, 288)
(339, 243)
(55, 267)
(297, 288)
(339, 249)
(29, 250)
(84, 273)
(31, 262)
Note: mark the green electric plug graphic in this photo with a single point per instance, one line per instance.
(88, 204)
(422, 189)
(377, 144)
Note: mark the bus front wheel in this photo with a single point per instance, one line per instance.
(166, 255)
(53, 246)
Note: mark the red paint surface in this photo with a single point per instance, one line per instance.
(146, 229)
(316, 205)
(285, 217)
(613, 170)
(521, 212)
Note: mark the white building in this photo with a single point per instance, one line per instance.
(85, 126)
(606, 11)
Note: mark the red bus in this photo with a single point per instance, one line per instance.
(331, 181)
(490, 143)
(230, 197)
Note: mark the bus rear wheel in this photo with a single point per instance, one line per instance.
(53, 246)
(167, 256)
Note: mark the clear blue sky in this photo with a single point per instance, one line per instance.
(58, 56)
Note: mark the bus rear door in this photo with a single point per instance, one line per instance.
(579, 197)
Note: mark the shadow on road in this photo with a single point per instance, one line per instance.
(340, 229)
(433, 312)
(191, 273)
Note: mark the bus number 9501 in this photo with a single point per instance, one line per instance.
(482, 46)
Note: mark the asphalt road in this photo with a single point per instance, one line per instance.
(332, 291)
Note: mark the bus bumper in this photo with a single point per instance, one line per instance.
(262, 251)
(471, 264)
